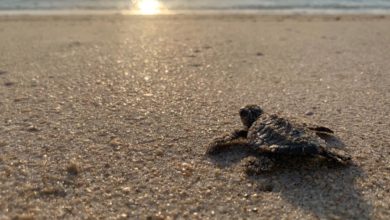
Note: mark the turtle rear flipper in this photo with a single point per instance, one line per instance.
(307, 149)
(320, 129)
(336, 156)
(330, 139)
(324, 135)
(327, 135)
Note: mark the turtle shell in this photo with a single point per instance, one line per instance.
(271, 131)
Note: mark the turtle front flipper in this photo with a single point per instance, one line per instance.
(225, 142)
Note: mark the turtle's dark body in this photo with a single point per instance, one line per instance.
(271, 134)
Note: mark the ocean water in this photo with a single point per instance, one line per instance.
(344, 5)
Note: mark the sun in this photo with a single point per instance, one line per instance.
(149, 7)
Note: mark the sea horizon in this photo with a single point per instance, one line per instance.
(200, 6)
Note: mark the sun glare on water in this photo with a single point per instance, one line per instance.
(149, 7)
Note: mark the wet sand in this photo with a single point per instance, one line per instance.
(108, 116)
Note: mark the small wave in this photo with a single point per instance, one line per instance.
(199, 4)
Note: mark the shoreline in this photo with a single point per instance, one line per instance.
(289, 12)
(125, 15)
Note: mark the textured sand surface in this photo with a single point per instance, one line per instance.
(108, 116)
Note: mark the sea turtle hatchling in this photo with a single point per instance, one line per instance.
(270, 134)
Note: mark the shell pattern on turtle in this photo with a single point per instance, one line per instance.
(271, 133)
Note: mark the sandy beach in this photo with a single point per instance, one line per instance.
(108, 116)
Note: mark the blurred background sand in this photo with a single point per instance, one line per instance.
(108, 116)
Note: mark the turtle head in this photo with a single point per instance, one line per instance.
(249, 114)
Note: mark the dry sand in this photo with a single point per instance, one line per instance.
(108, 116)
